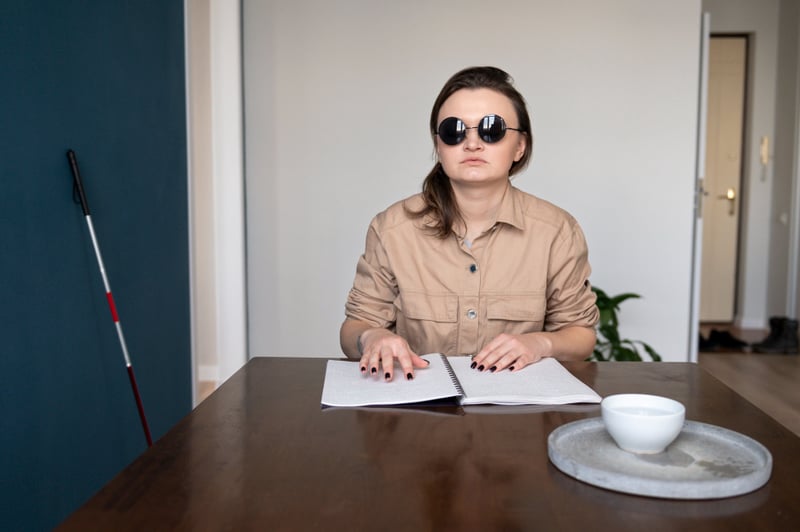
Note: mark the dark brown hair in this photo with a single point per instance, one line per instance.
(437, 192)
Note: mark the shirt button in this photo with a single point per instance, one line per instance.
(473, 268)
(471, 314)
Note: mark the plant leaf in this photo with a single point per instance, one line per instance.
(616, 300)
(652, 352)
(609, 345)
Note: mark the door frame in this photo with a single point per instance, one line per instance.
(697, 237)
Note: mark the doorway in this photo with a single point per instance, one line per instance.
(722, 188)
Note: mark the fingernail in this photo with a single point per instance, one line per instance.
(473, 365)
(409, 376)
(374, 370)
(429, 362)
(480, 368)
(493, 369)
(363, 369)
(386, 376)
(510, 368)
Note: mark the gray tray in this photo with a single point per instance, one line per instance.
(704, 462)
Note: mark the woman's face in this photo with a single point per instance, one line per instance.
(475, 162)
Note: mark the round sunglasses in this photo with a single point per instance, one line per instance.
(491, 129)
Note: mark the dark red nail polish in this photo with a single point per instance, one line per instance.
(493, 369)
(480, 368)
(386, 376)
(473, 365)
(409, 376)
(374, 370)
(510, 368)
(363, 369)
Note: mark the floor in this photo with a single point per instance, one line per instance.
(770, 382)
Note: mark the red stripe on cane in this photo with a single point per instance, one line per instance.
(112, 307)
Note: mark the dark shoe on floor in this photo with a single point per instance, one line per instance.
(706, 345)
(782, 337)
(726, 341)
(773, 338)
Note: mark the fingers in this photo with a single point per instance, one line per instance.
(419, 362)
(505, 352)
(408, 363)
(498, 361)
(370, 345)
(495, 356)
(408, 360)
(380, 351)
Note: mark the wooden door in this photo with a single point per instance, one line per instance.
(727, 70)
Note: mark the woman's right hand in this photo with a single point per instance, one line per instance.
(379, 350)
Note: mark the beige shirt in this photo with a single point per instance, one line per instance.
(528, 273)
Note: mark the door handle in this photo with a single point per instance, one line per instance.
(730, 195)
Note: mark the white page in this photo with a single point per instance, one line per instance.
(545, 382)
(345, 385)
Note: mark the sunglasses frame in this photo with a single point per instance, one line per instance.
(484, 133)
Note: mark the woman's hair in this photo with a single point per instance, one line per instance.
(437, 192)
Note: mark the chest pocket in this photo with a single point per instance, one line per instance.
(515, 314)
(428, 322)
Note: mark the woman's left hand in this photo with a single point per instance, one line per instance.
(515, 351)
(512, 351)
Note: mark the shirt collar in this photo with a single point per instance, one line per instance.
(510, 211)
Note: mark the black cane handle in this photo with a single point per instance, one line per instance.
(76, 176)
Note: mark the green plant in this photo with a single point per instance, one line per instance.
(609, 344)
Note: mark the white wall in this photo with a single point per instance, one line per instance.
(337, 97)
(785, 222)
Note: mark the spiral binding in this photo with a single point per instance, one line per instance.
(453, 377)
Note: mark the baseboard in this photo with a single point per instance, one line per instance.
(750, 324)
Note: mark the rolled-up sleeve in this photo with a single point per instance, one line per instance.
(375, 286)
(570, 300)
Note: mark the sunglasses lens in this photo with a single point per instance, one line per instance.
(452, 131)
(492, 128)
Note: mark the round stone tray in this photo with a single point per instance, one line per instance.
(704, 462)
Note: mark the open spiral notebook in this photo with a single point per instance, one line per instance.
(545, 383)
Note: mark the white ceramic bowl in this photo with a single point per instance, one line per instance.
(642, 424)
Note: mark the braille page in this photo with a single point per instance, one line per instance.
(345, 385)
(546, 382)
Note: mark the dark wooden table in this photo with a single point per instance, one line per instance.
(260, 454)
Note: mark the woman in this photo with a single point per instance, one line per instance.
(472, 265)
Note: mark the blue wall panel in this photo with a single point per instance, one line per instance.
(106, 79)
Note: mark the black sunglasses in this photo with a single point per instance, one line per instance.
(492, 128)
